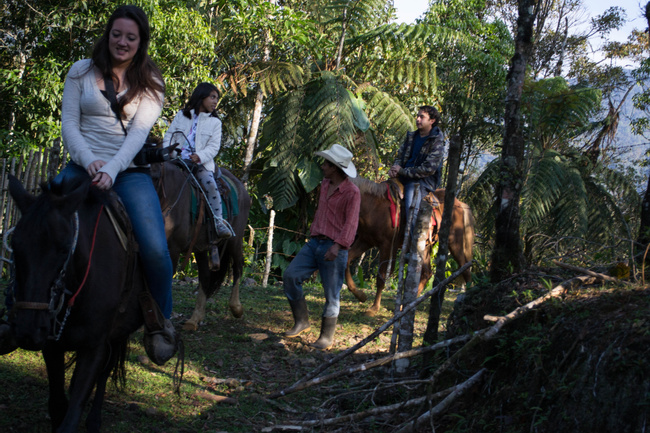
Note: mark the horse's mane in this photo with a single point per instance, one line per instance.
(376, 189)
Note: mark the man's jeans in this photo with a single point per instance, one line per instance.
(409, 194)
(138, 194)
(310, 259)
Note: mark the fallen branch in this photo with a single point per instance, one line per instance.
(590, 273)
(372, 336)
(379, 410)
(488, 333)
(444, 404)
(379, 362)
(557, 291)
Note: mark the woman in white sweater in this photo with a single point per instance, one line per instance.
(200, 142)
(102, 146)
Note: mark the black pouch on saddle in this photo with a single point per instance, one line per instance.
(149, 153)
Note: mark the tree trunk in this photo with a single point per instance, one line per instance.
(257, 114)
(507, 255)
(416, 253)
(339, 52)
(399, 296)
(269, 249)
(644, 228)
(252, 136)
(435, 308)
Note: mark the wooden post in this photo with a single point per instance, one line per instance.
(269, 249)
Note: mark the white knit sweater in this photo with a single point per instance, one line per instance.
(90, 129)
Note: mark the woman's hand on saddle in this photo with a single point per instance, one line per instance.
(102, 181)
(195, 158)
(93, 167)
(332, 252)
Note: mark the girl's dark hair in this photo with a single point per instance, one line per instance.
(201, 92)
(142, 74)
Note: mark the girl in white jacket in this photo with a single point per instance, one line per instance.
(199, 123)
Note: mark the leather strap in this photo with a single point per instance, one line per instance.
(112, 98)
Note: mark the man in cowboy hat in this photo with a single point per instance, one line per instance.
(332, 232)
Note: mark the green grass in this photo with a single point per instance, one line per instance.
(225, 358)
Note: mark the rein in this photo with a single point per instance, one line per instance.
(59, 284)
(164, 192)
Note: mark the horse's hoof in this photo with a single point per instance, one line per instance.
(237, 312)
(371, 312)
(190, 326)
(361, 297)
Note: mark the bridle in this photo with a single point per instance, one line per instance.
(58, 289)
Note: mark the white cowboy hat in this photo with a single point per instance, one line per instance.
(340, 157)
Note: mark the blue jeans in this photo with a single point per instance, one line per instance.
(309, 259)
(138, 194)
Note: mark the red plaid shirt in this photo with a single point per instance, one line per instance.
(337, 217)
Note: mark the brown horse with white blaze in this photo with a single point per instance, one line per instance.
(376, 229)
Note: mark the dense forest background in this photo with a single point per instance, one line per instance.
(548, 143)
(298, 76)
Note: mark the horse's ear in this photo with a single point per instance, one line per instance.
(71, 201)
(23, 199)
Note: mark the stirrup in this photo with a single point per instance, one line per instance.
(161, 345)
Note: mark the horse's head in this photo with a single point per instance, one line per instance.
(43, 243)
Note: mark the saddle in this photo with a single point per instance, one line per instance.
(226, 189)
(395, 195)
(121, 223)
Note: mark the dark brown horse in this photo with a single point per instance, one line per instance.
(76, 289)
(187, 234)
(376, 230)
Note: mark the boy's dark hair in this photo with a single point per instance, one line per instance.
(431, 111)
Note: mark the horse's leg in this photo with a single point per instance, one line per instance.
(425, 273)
(88, 366)
(192, 324)
(456, 244)
(58, 402)
(382, 277)
(355, 252)
(468, 240)
(236, 250)
(94, 418)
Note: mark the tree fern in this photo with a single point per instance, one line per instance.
(566, 200)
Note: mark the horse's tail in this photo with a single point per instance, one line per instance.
(468, 233)
(119, 353)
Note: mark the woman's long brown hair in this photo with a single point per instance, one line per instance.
(142, 74)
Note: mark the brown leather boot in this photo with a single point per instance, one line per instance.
(161, 345)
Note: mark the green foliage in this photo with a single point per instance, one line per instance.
(565, 194)
(311, 117)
